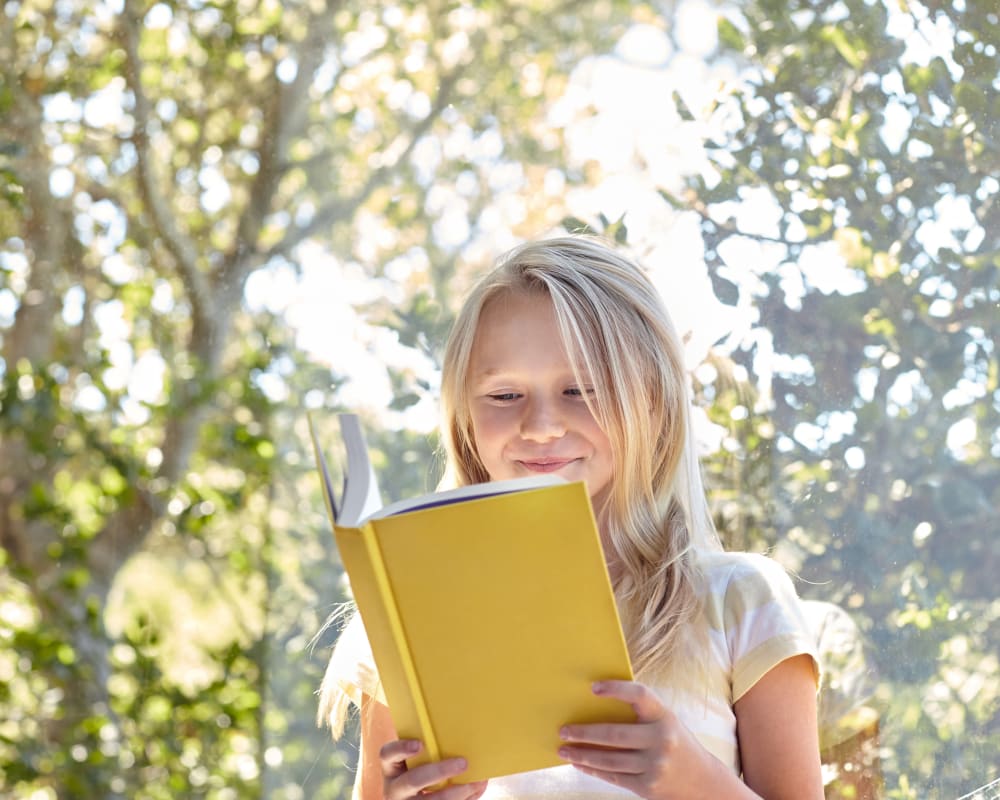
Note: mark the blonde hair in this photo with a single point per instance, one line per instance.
(656, 518)
(618, 333)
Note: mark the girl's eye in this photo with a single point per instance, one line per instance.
(504, 397)
(577, 391)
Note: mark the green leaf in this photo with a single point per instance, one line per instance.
(672, 201)
(725, 290)
(730, 37)
(847, 49)
(576, 225)
(401, 402)
(682, 107)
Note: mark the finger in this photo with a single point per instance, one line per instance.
(480, 789)
(392, 757)
(620, 735)
(626, 762)
(427, 776)
(644, 702)
(460, 791)
(614, 778)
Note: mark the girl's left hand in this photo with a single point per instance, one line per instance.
(655, 757)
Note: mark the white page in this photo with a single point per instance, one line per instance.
(361, 494)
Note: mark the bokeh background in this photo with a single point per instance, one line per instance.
(217, 214)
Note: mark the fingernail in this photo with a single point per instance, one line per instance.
(597, 688)
(563, 752)
(412, 747)
(564, 733)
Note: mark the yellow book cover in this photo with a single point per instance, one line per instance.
(489, 611)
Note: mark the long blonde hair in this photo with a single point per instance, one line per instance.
(619, 334)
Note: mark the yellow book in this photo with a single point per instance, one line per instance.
(489, 611)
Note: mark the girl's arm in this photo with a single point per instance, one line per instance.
(778, 733)
(658, 758)
(376, 730)
(382, 772)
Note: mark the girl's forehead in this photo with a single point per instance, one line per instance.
(521, 328)
(507, 312)
(514, 297)
(511, 319)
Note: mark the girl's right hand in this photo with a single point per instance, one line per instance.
(401, 783)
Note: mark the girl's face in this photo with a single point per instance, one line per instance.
(529, 413)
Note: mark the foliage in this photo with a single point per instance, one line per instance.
(165, 559)
(863, 410)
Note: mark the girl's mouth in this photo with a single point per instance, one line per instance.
(546, 464)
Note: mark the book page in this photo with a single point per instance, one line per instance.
(361, 493)
(470, 492)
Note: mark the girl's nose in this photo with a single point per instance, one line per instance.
(542, 421)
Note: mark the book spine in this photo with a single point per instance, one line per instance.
(399, 636)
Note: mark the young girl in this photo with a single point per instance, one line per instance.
(563, 359)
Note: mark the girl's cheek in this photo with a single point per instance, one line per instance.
(488, 424)
(580, 413)
(496, 416)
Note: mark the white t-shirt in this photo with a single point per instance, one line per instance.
(755, 622)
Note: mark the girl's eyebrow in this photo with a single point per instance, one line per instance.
(488, 372)
(492, 372)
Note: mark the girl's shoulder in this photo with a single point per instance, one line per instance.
(751, 606)
(724, 568)
(741, 587)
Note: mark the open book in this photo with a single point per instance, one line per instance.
(488, 609)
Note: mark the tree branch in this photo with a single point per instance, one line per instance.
(729, 228)
(182, 249)
(345, 207)
(285, 118)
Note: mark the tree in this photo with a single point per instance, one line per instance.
(161, 163)
(154, 159)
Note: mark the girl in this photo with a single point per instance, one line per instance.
(563, 359)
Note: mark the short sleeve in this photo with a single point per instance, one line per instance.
(764, 622)
(352, 665)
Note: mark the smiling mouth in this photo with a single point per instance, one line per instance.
(546, 465)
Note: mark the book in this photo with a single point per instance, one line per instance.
(488, 608)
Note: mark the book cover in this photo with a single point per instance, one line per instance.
(490, 613)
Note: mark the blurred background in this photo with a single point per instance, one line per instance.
(217, 214)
